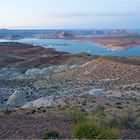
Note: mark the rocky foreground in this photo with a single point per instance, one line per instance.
(32, 77)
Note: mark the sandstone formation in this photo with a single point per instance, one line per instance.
(17, 99)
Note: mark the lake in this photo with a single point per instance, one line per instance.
(77, 47)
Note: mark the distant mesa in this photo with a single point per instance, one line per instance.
(65, 35)
(62, 34)
(59, 35)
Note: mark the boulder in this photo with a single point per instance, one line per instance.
(17, 99)
(96, 92)
(33, 71)
(30, 74)
(48, 70)
(41, 102)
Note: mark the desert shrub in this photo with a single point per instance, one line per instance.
(7, 111)
(118, 103)
(49, 113)
(99, 109)
(75, 115)
(27, 113)
(83, 110)
(137, 123)
(43, 110)
(108, 133)
(33, 111)
(39, 108)
(112, 122)
(1, 113)
(90, 130)
(84, 103)
(120, 107)
(51, 134)
(48, 107)
(127, 121)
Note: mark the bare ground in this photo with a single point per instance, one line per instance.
(21, 126)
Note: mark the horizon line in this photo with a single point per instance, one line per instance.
(69, 28)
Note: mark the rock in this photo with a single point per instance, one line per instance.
(36, 72)
(61, 68)
(96, 92)
(48, 70)
(30, 74)
(17, 99)
(42, 102)
(33, 71)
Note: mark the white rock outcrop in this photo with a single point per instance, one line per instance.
(32, 71)
(17, 99)
(35, 72)
(42, 102)
(96, 92)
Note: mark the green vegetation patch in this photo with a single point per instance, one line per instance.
(90, 130)
(51, 134)
(75, 115)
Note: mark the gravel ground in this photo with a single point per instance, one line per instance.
(19, 126)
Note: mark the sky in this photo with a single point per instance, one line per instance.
(70, 14)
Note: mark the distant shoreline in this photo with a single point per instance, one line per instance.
(118, 42)
(111, 43)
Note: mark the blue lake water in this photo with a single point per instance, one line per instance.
(77, 47)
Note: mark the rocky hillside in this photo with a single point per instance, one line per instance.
(49, 86)
(33, 76)
(42, 89)
(111, 76)
(24, 56)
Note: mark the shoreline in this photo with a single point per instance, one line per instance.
(106, 43)
(114, 45)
